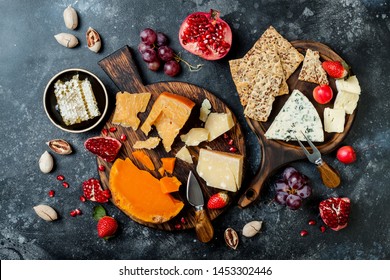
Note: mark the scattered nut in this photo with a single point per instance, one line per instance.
(93, 40)
(252, 228)
(60, 146)
(67, 40)
(46, 162)
(46, 212)
(70, 18)
(231, 238)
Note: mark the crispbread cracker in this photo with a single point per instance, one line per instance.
(290, 57)
(312, 70)
(262, 96)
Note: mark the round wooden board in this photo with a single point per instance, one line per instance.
(122, 70)
(275, 153)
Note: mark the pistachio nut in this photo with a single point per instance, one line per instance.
(67, 40)
(70, 18)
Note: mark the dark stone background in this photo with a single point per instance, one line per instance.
(29, 56)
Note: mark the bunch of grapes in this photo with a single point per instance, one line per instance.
(292, 188)
(155, 51)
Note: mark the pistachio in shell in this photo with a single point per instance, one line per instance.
(60, 146)
(70, 18)
(252, 228)
(231, 238)
(46, 212)
(93, 40)
(67, 40)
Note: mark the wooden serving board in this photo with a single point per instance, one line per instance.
(120, 67)
(275, 153)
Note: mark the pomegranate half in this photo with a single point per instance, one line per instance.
(206, 35)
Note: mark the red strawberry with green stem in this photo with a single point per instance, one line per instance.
(107, 226)
(336, 69)
(218, 200)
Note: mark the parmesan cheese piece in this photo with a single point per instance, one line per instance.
(149, 143)
(169, 114)
(350, 85)
(334, 120)
(218, 123)
(195, 136)
(220, 170)
(205, 110)
(184, 155)
(346, 100)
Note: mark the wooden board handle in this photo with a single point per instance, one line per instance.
(330, 177)
(204, 228)
(122, 70)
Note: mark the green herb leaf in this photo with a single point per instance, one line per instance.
(99, 212)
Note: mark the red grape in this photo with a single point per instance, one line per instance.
(293, 201)
(304, 192)
(155, 65)
(281, 186)
(148, 36)
(142, 47)
(288, 171)
(165, 53)
(149, 55)
(280, 197)
(171, 68)
(162, 39)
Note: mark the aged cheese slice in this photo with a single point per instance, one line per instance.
(169, 184)
(205, 110)
(142, 157)
(218, 123)
(350, 85)
(184, 155)
(128, 106)
(169, 114)
(150, 143)
(347, 101)
(220, 170)
(334, 120)
(195, 136)
(297, 115)
(168, 164)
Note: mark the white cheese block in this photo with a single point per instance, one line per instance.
(334, 120)
(195, 136)
(184, 155)
(218, 123)
(220, 170)
(350, 85)
(297, 115)
(346, 101)
(205, 110)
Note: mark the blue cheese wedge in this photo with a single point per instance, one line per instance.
(334, 120)
(220, 170)
(350, 85)
(297, 115)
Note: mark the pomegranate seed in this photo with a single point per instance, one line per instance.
(60, 178)
(105, 131)
(78, 211)
(231, 142)
(113, 129)
(178, 226)
(123, 137)
(312, 222)
(233, 149)
(183, 220)
(304, 232)
(322, 228)
(65, 185)
(73, 213)
(101, 168)
(51, 193)
(82, 198)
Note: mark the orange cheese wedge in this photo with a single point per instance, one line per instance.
(169, 114)
(169, 184)
(144, 159)
(128, 105)
(168, 164)
(137, 193)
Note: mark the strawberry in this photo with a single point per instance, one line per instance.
(336, 69)
(107, 227)
(218, 200)
(335, 212)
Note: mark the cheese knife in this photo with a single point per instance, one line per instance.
(203, 227)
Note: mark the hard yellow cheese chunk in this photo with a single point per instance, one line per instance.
(184, 155)
(218, 123)
(220, 170)
(149, 143)
(195, 136)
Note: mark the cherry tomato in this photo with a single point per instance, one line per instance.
(323, 94)
(346, 154)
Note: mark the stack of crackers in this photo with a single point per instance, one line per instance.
(262, 73)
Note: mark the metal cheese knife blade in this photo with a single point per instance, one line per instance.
(203, 226)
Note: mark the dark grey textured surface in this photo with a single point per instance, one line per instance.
(29, 56)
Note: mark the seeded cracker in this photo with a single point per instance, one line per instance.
(263, 95)
(312, 70)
